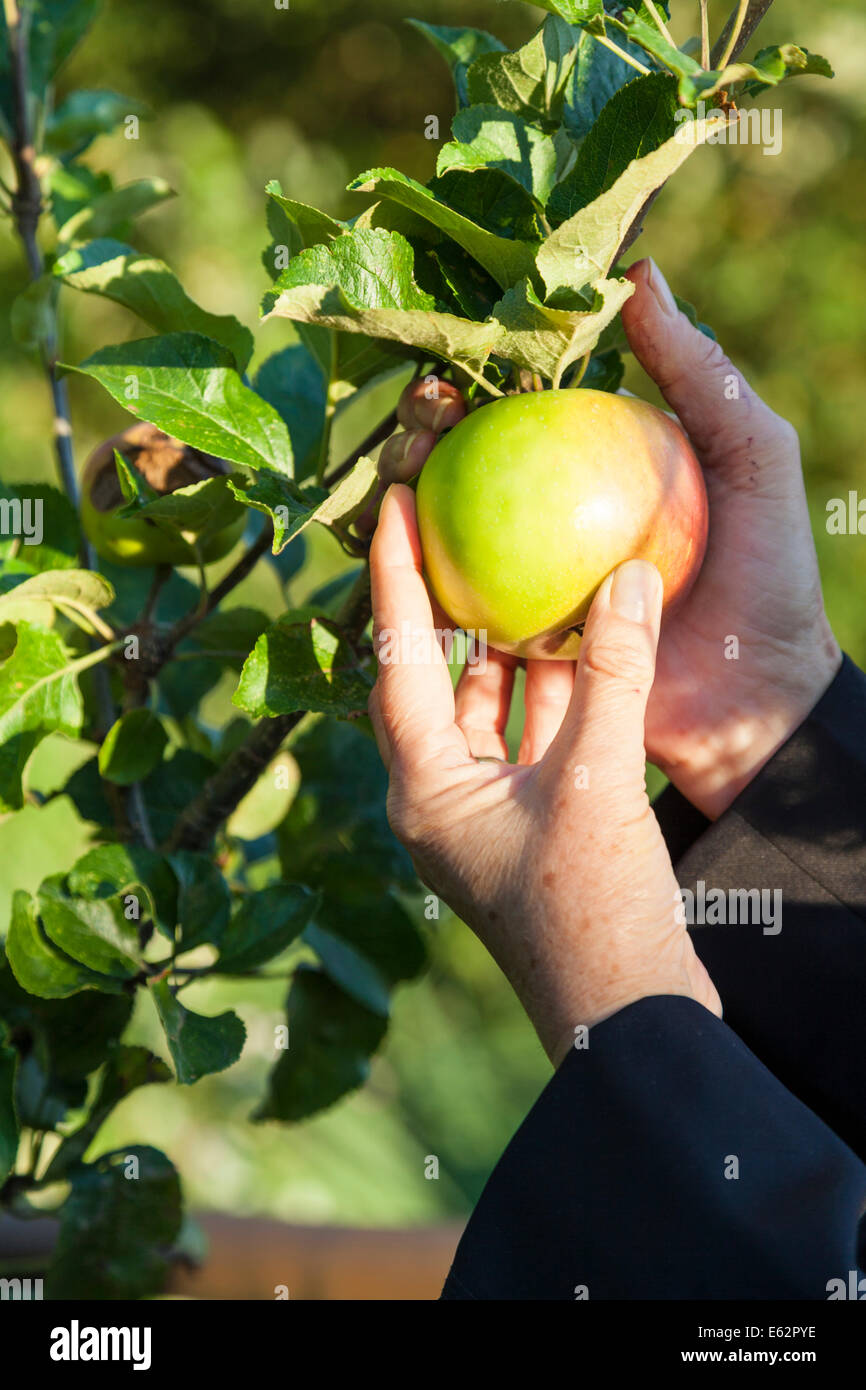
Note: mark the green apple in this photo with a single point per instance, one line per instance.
(166, 464)
(528, 503)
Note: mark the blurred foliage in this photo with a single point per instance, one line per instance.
(770, 251)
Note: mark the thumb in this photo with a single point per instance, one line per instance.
(728, 424)
(603, 730)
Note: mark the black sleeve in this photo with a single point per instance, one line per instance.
(664, 1162)
(796, 996)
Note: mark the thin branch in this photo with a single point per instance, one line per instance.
(705, 34)
(216, 595)
(729, 45)
(734, 35)
(374, 438)
(621, 53)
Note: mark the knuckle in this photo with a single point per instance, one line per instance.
(624, 661)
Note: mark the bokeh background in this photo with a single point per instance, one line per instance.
(770, 250)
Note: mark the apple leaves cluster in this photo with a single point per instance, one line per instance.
(216, 852)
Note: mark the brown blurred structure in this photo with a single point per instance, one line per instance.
(250, 1257)
(254, 1258)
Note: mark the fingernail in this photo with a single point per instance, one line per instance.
(662, 291)
(634, 592)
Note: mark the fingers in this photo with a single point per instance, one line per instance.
(413, 709)
(601, 742)
(483, 701)
(547, 694)
(728, 424)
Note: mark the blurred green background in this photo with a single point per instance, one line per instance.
(770, 251)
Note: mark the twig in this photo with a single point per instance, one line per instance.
(375, 437)
(216, 595)
(734, 34)
(705, 34)
(621, 53)
(730, 45)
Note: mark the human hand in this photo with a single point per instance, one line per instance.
(713, 719)
(713, 722)
(557, 862)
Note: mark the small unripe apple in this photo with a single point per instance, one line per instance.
(166, 464)
(528, 503)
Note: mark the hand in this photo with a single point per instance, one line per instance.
(558, 863)
(713, 722)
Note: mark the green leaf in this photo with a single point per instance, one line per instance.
(9, 1125)
(585, 247)
(36, 964)
(145, 285)
(72, 1035)
(640, 29)
(359, 913)
(506, 260)
(333, 813)
(597, 76)
(126, 1069)
(117, 1227)
(198, 1045)
(204, 902)
(187, 385)
(118, 870)
(264, 925)
(83, 116)
(372, 269)
(604, 371)
(31, 318)
(38, 695)
(78, 594)
(331, 1039)
(637, 120)
(303, 666)
(193, 513)
(132, 748)
(312, 226)
(459, 48)
(548, 340)
(293, 382)
(112, 210)
(56, 519)
(770, 67)
(531, 82)
(93, 932)
(575, 11)
(55, 27)
(488, 138)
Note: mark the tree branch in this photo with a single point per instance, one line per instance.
(229, 581)
(753, 16)
(375, 437)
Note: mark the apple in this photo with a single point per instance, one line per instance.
(166, 464)
(528, 503)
